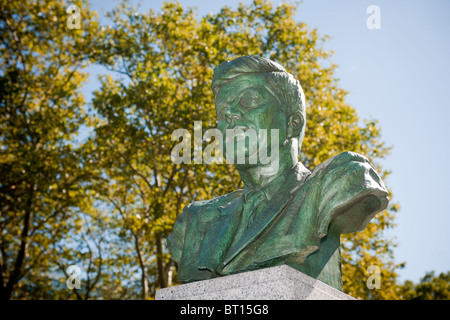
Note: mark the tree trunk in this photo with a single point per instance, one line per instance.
(162, 281)
(144, 278)
(18, 265)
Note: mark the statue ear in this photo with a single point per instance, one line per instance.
(295, 125)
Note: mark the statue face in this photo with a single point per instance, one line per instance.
(247, 103)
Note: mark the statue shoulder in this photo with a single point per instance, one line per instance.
(204, 206)
(350, 193)
(196, 214)
(343, 160)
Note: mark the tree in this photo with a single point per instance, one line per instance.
(107, 204)
(430, 287)
(165, 61)
(41, 110)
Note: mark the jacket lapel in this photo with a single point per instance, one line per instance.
(273, 209)
(219, 235)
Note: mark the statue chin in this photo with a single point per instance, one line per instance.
(251, 156)
(247, 160)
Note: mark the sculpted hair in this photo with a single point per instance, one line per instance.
(285, 88)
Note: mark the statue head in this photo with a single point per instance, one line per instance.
(255, 92)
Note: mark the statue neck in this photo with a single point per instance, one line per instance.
(258, 176)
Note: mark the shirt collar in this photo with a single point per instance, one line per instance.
(269, 189)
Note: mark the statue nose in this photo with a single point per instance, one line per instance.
(231, 116)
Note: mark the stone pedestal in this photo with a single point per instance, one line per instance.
(275, 283)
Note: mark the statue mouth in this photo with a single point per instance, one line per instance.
(237, 128)
(241, 144)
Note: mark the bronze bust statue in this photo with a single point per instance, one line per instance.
(285, 214)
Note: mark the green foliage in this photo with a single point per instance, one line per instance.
(108, 203)
(41, 109)
(167, 59)
(430, 287)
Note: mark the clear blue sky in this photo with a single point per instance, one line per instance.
(398, 75)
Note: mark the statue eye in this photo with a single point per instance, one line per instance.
(250, 99)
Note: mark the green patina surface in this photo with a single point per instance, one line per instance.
(285, 214)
